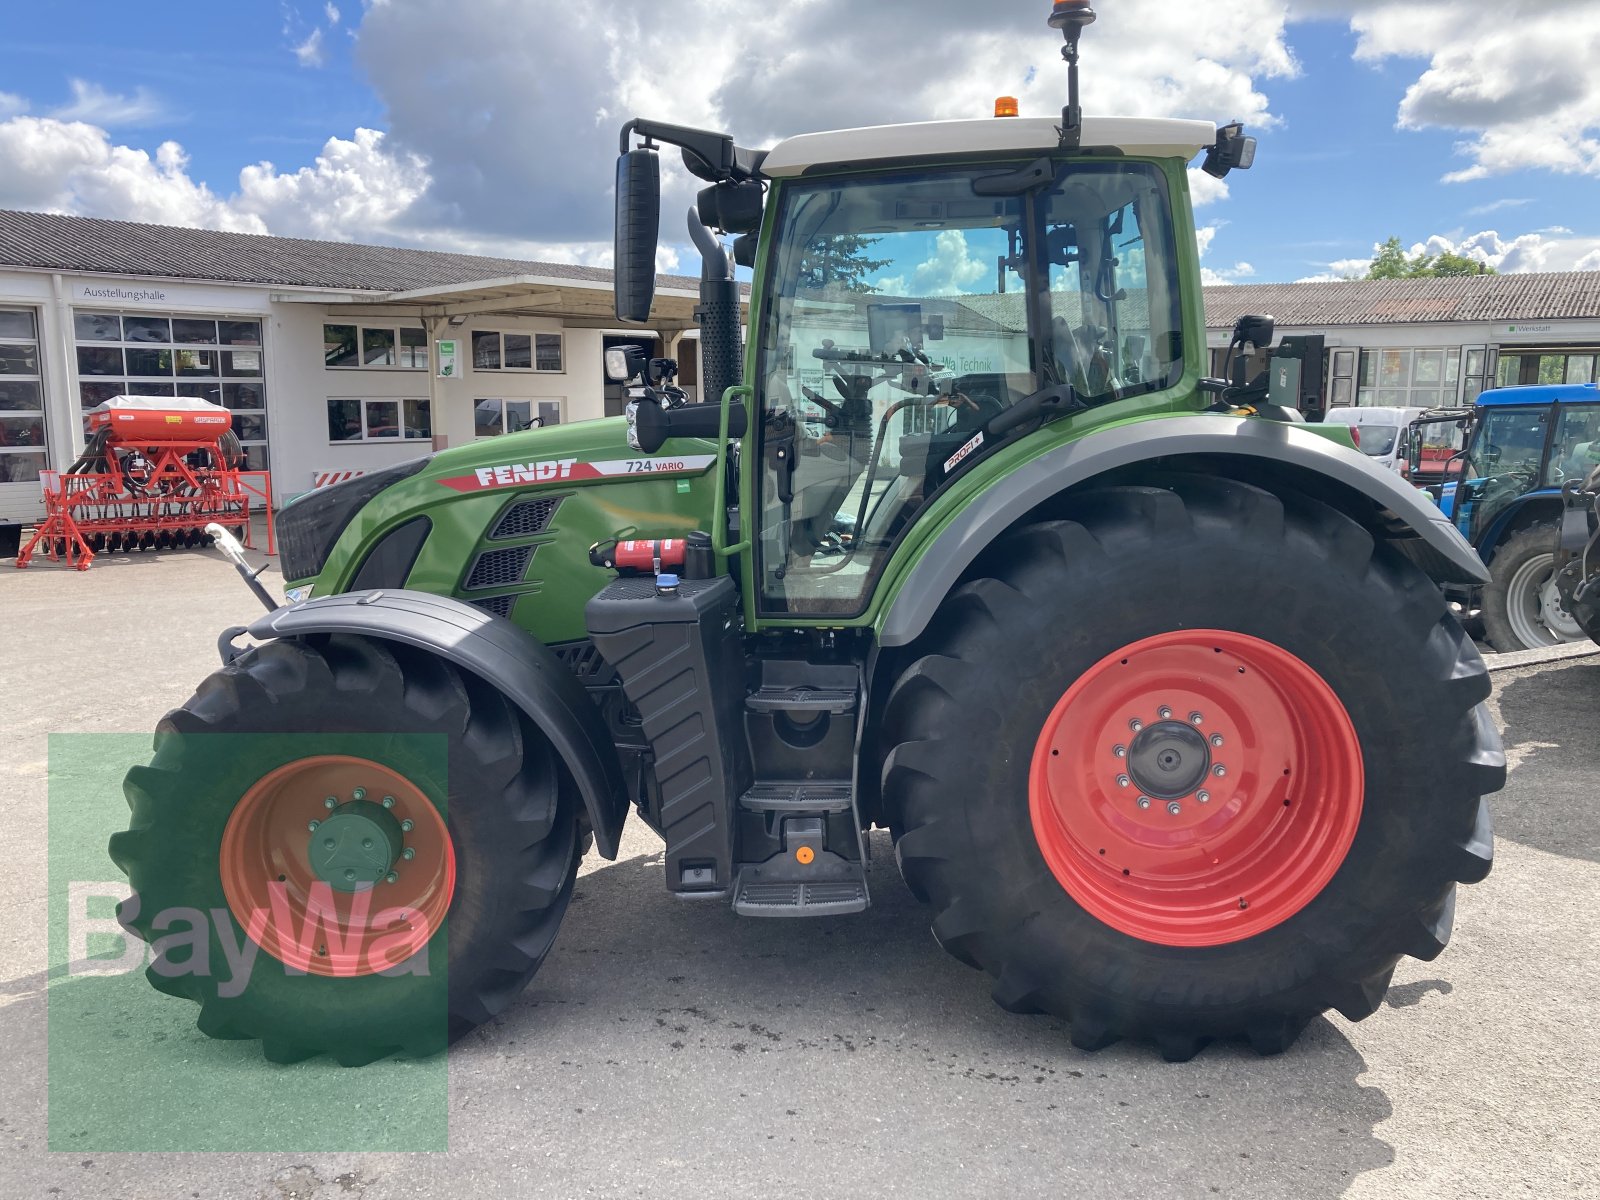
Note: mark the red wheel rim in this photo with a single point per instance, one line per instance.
(1202, 839)
(302, 910)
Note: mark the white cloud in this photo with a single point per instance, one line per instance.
(356, 188)
(331, 11)
(1543, 251)
(71, 166)
(1238, 273)
(309, 52)
(1484, 210)
(92, 104)
(1516, 78)
(1206, 189)
(11, 105)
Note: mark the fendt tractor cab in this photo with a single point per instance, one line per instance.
(1504, 492)
(1151, 685)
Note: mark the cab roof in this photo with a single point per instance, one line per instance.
(1139, 136)
(1561, 393)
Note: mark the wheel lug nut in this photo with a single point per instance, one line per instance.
(1164, 712)
(408, 853)
(407, 825)
(1144, 801)
(1136, 725)
(1219, 770)
(331, 802)
(388, 801)
(1196, 718)
(360, 793)
(312, 825)
(1174, 808)
(1204, 797)
(1216, 740)
(1119, 751)
(391, 877)
(1123, 781)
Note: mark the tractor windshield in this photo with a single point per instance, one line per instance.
(907, 310)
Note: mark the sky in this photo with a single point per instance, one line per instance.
(490, 126)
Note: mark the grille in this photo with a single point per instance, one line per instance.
(583, 660)
(499, 606)
(499, 568)
(524, 519)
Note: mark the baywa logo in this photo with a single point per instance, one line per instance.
(321, 933)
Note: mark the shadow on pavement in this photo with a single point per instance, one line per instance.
(828, 1026)
(1552, 737)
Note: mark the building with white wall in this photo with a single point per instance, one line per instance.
(1429, 343)
(332, 357)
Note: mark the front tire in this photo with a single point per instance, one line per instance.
(1329, 845)
(401, 888)
(1521, 605)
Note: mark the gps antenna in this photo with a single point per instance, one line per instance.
(1072, 17)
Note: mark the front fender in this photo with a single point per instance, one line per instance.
(503, 656)
(1397, 511)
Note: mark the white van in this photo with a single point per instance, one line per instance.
(1380, 432)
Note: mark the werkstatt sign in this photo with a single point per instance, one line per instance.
(447, 358)
(1589, 331)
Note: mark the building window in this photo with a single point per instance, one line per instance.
(492, 418)
(351, 420)
(1426, 378)
(201, 358)
(1546, 367)
(22, 444)
(377, 346)
(493, 350)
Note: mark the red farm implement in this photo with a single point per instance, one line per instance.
(156, 471)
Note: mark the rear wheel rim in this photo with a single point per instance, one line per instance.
(362, 905)
(1196, 788)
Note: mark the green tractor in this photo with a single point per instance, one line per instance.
(1152, 684)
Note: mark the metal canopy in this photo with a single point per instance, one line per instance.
(580, 304)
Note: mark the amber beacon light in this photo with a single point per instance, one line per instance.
(1005, 106)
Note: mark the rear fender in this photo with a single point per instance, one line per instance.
(503, 656)
(1272, 454)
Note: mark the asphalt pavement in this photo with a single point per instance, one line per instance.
(672, 1049)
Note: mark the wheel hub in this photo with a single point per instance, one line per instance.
(355, 846)
(1169, 760)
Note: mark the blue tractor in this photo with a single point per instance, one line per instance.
(1504, 492)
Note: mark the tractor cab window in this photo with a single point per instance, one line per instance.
(1575, 452)
(909, 310)
(1504, 464)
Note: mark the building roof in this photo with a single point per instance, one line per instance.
(53, 242)
(1529, 297)
(1154, 138)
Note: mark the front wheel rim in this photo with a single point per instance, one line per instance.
(1533, 605)
(1196, 788)
(359, 906)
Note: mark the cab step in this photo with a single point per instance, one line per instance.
(783, 888)
(810, 796)
(803, 688)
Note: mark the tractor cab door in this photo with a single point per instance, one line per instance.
(1504, 463)
(1575, 448)
(904, 311)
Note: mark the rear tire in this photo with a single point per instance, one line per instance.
(1518, 600)
(1051, 606)
(506, 803)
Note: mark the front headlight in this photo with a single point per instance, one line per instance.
(309, 527)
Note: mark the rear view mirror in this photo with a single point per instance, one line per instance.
(638, 230)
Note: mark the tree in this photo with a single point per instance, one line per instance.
(1392, 262)
(841, 261)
